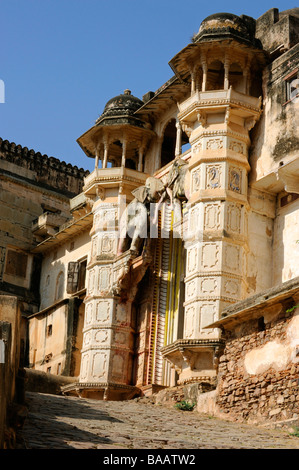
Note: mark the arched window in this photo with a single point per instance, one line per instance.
(168, 144)
(235, 77)
(215, 76)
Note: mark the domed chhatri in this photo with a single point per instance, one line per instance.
(122, 105)
(226, 25)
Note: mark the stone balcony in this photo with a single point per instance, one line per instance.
(115, 177)
(47, 224)
(201, 101)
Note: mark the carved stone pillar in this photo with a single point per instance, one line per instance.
(226, 74)
(178, 145)
(106, 150)
(123, 157)
(204, 74)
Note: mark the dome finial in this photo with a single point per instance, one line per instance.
(127, 92)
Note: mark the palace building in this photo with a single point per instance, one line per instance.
(164, 265)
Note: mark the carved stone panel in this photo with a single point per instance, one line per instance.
(122, 314)
(190, 318)
(208, 286)
(238, 147)
(210, 258)
(107, 245)
(197, 147)
(88, 314)
(213, 176)
(91, 281)
(101, 337)
(103, 309)
(235, 180)
(232, 258)
(215, 144)
(192, 260)
(105, 219)
(87, 338)
(84, 367)
(195, 180)
(212, 216)
(118, 366)
(207, 314)
(193, 219)
(99, 365)
(234, 218)
(94, 245)
(231, 288)
(120, 338)
(104, 279)
(191, 289)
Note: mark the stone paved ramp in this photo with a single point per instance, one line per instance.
(57, 422)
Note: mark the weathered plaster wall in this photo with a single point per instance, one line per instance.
(286, 243)
(48, 350)
(55, 267)
(55, 349)
(281, 144)
(258, 373)
(259, 272)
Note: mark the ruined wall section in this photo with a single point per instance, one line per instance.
(258, 373)
(259, 264)
(278, 31)
(286, 239)
(275, 139)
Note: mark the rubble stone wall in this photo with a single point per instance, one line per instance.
(259, 371)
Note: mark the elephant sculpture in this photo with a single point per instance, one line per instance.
(175, 186)
(135, 219)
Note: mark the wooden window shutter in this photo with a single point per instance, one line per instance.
(72, 277)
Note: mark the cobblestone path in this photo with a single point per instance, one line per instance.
(57, 422)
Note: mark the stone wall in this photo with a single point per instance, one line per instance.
(43, 170)
(259, 370)
(5, 378)
(11, 371)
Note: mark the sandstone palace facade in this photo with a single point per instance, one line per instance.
(176, 261)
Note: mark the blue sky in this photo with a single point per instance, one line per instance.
(62, 60)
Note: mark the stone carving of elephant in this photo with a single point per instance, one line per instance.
(175, 186)
(134, 222)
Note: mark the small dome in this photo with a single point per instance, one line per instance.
(224, 25)
(122, 105)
